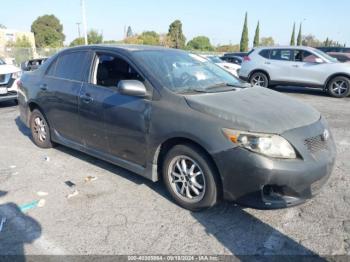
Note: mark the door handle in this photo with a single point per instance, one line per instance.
(43, 87)
(86, 98)
(267, 63)
(295, 65)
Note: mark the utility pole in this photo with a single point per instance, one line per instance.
(79, 34)
(82, 2)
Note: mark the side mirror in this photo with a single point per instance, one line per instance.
(132, 88)
(318, 60)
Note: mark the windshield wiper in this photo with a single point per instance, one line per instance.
(223, 84)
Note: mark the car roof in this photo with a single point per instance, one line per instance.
(285, 47)
(125, 47)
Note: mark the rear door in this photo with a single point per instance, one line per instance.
(278, 66)
(59, 90)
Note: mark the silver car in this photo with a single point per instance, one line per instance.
(297, 66)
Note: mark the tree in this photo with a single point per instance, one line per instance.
(48, 31)
(176, 36)
(300, 37)
(245, 38)
(129, 32)
(22, 49)
(227, 48)
(267, 41)
(2, 26)
(311, 40)
(200, 43)
(150, 38)
(326, 43)
(257, 35)
(93, 38)
(292, 39)
(77, 41)
(21, 42)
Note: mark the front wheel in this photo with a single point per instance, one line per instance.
(339, 87)
(259, 79)
(191, 178)
(40, 130)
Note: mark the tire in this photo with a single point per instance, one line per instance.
(259, 79)
(202, 184)
(40, 130)
(339, 87)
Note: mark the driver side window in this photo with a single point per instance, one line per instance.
(110, 70)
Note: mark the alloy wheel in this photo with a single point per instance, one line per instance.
(186, 179)
(259, 80)
(340, 87)
(40, 129)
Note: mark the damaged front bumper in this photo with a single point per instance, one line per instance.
(261, 182)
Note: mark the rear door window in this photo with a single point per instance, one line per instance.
(70, 66)
(281, 54)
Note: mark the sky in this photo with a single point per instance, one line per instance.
(220, 20)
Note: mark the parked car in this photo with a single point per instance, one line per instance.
(334, 49)
(239, 54)
(9, 75)
(341, 57)
(165, 113)
(32, 64)
(229, 67)
(297, 66)
(232, 59)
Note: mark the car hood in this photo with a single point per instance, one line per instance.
(8, 69)
(255, 109)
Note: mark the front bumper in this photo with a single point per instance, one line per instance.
(10, 90)
(261, 182)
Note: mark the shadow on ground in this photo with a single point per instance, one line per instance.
(16, 230)
(300, 90)
(8, 104)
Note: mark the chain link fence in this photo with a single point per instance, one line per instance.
(17, 56)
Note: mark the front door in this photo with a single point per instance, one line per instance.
(112, 122)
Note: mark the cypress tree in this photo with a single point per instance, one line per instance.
(257, 35)
(300, 38)
(292, 40)
(245, 39)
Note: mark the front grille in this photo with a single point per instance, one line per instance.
(4, 79)
(316, 144)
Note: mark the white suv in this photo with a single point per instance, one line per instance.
(9, 75)
(297, 66)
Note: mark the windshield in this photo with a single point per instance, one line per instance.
(183, 72)
(2, 62)
(326, 56)
(215, 59)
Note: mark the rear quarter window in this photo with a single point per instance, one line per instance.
(265, 53)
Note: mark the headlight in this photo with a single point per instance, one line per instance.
(265, 144)
(16, 75)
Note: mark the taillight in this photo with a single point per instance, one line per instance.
(246, 59)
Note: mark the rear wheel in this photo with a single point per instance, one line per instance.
(339, 87)
(40, 129)
(190, 177)
(259, 79)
